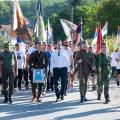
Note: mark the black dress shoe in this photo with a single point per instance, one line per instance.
(6, 100)
(48, 90)
(10, 101)
(62, 97)
(65, 94)
(58, 99)
(52, 89)
(27, 87)
(107, 100)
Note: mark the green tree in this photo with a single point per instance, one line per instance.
(5, 12)
(109, 11)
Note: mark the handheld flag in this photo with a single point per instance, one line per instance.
(79, 31)
(99, 39)
(105, 29)
(69, 28)
(19, 25)
(117, 42)
(40, 28)
(49, 34)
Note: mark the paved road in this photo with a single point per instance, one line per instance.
(69, 109)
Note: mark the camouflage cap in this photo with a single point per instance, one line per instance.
(6, 45)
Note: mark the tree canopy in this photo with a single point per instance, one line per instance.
(92, 12)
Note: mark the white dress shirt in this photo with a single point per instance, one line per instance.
(59, 59)
(118, 63)
(114, 55)
(70, 56)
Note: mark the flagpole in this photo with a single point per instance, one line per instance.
(99, 69)
(47, 31)
(81, 23)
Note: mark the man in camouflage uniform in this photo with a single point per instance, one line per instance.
(92, 72)
(84, 60)
(9, 68)
(103, 73)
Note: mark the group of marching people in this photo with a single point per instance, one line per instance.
(60, 65)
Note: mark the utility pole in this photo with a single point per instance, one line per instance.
(72, 15)
(81, 27)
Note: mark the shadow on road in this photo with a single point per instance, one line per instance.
(88, 113)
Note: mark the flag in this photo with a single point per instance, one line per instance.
(99, 39)
(19, 25)
(39, 27)
(49, 34)
(117, 42)
(94, 41)
(78, 33)
(105, 29)
(95, 36)
(69, 28)
(27, 21)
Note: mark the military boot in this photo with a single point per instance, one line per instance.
(82, 99)
(99, 97)
(85, 99)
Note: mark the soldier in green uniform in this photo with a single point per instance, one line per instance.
(103, 73)
(9, 68)
(92, 72)
(84, 60)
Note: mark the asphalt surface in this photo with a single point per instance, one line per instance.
(68, 109)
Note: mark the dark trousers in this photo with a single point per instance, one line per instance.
(83, 85)
(18, 79)
(65, 92)
(60, 73)
(26, 77)
(8, 77)
(113, 71)
(35, 86)
(49, 81)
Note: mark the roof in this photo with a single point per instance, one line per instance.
(8, 29)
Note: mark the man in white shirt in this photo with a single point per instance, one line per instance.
(70, 58)
(59, 69)
(114, 62)
(118, 67)
(21, 62)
